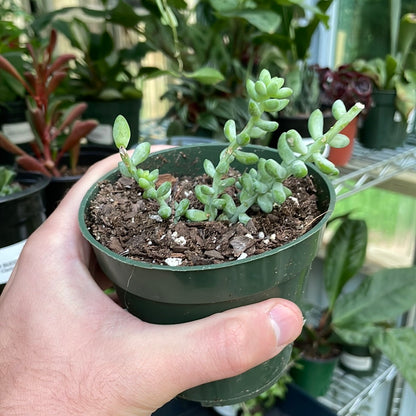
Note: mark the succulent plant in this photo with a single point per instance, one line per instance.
(263, 184)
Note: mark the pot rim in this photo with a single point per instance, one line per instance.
(145, 265)
(36, 182)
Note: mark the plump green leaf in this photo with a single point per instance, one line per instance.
(209, 168)
(196, 215)
(140, 153)
(345, 255)
(316, 124)
(164, 212)
(164, 190)
(338, 109)
(278, 193)
(324, 165)
(275, 170)
(246, 158)
(230, 130)
(181, 207)
(144, 184)
(265, 202)
(383, 296)
(267, 125)
(121, 132)
(339, 141)
(261, 88)
(298, 169)
(206, 75)
(123, 170)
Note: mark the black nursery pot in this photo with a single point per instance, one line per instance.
(20, 214)
(59, 186)
(169, 295)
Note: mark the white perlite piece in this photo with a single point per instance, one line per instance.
(173, 261)
(178, 240)
(242, 256)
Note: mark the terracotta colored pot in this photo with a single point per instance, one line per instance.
(340, 157)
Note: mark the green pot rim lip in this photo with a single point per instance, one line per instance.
(145, 265)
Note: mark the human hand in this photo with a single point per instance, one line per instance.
(66, 348)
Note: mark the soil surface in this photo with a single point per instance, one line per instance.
(129, 225)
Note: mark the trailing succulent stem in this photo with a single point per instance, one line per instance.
(262, 184)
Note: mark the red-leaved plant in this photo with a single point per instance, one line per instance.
(56, 131)
(345, 84)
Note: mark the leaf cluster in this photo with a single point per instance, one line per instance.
(366, 315)
(57, 128)
(262, 185)
(7, 186)
(104, 69)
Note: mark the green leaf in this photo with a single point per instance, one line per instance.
(140, 154)
(359, 334)
(196, 215)
(384, 296)
(246, 158)
(164, 190)
(121, 132)
(206, 75)
(345, 255)
(399, 345)
(339, 141)
(265, 202)
(209, 168)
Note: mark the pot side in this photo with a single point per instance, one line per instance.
(20, 214)
(169, 295)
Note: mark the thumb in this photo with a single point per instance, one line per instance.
(220, 346)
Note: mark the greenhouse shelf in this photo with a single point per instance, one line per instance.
(370, 167)
(348, 392)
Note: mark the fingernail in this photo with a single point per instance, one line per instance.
(285, 323)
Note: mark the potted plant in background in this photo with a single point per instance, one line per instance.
(107, 72)
(56, 127)
(186, 284)
(288, 55)
(363, 317)
(394, 79)
(21, 211)
(210, 49)
(14, 22)
(350, 87)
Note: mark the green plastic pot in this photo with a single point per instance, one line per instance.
(314, 375)
(169, 295)
(383, 127)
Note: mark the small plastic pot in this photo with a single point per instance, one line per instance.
(359, 360)
(169, 295)
(20, 214)
(383, 126)
(315, 374)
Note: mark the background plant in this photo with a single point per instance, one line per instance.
(105, 68)
(345, 84)
(396, 70)
(7, 184)
(367, 315)
(56, 127)
(262, 186)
